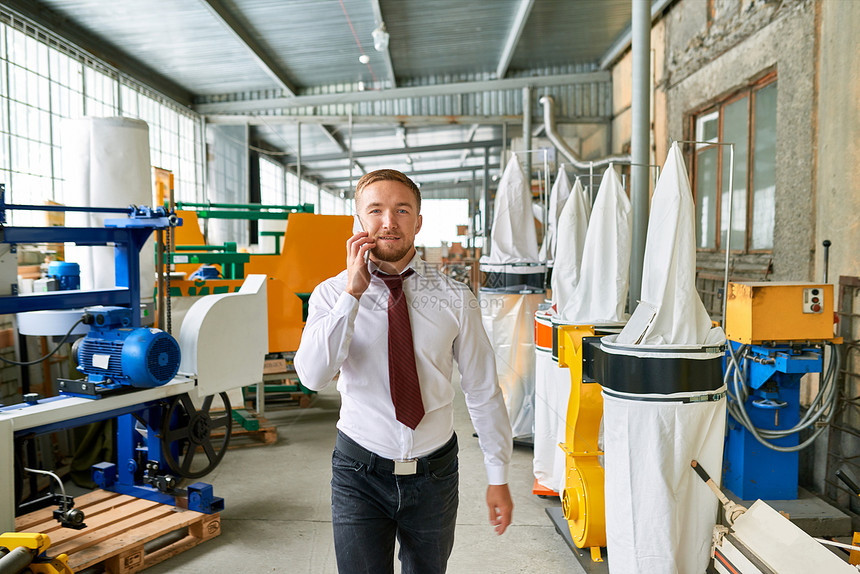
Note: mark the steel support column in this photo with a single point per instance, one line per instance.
(527, 135)
(488, 222)
(299, 159)
(639, 143)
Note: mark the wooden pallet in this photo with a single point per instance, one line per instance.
(123, 534)
(241, 437)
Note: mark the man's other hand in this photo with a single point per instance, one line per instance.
(501, 506)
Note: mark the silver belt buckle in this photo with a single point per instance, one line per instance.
(406, 467)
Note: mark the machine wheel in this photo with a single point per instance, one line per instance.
(187, 431)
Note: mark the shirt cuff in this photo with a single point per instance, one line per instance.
(497, 474)
(346, 305)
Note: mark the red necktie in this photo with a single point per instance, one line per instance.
(402, 374)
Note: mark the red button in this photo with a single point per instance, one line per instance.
(815, 299)
(816, 307)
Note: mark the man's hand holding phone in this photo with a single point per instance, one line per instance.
(357, 252)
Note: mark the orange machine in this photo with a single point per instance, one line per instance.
(314, 249)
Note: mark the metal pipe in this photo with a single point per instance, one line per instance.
(17, 560)
(20, 207)
(547, 175)
(729, 228)
(159, 278)
(640, 143)
(549, 127)
(487, 209)
(527, 134)
(352, 161)
(456, 88)
(299, 160)
(503, 157)
(248, 206)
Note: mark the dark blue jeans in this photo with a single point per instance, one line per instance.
(371, 508)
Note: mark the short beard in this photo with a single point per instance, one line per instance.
(390, 256)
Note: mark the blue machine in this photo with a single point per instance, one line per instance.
(778, 332)
(156, 440)
(67, 274)
(764, 423)
(113, 355)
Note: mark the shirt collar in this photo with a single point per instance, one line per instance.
(416, 264)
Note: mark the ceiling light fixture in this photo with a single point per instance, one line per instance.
(380, 38)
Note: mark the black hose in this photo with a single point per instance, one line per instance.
(49, 355)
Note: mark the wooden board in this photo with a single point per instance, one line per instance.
(243, 438)
(123, 534)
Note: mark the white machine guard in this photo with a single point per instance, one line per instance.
(224, 338)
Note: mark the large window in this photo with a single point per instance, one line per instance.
(271, 182)
(44, 80)
(748, 120)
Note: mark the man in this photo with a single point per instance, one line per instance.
(394, 468)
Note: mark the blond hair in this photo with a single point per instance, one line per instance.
(386, 175)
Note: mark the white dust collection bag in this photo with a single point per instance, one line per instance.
(600, 294)
(558, 197)
(552, 393)
(513, 238)
(508, 319)
(106, 164)
(670, 311)
(572, 228)
(586, 199)
(659, 514)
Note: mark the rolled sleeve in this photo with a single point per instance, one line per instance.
(326, 337)
(479, 381)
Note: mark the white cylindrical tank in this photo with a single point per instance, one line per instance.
(106, 164)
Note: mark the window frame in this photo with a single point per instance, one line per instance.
(718, 105)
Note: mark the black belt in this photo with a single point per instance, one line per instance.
(425, 464)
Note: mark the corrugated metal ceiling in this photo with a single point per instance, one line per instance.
(238, 49)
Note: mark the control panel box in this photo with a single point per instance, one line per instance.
(779, 311)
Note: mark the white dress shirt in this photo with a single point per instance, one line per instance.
(351, 336)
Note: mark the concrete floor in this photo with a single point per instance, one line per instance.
(278, 514)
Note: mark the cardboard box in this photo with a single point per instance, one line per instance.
(272, 366)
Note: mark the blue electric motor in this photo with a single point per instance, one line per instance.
(67, 274)
(114, 352)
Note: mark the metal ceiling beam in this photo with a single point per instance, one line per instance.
(408, 121)
(459, 169)
(620, 45)
(255, 105)
(436, 190)
(469, 137)
(343, 147)
(402, 151)
(454, 189)
(401, 135)
(53, 25)
(266, 62)
(386, 53)
(514, 34)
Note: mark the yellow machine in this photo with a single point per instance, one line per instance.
(779, 311)
(314, 250)
(25, 552)
(583, 500)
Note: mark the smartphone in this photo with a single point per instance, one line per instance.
(356, 227)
